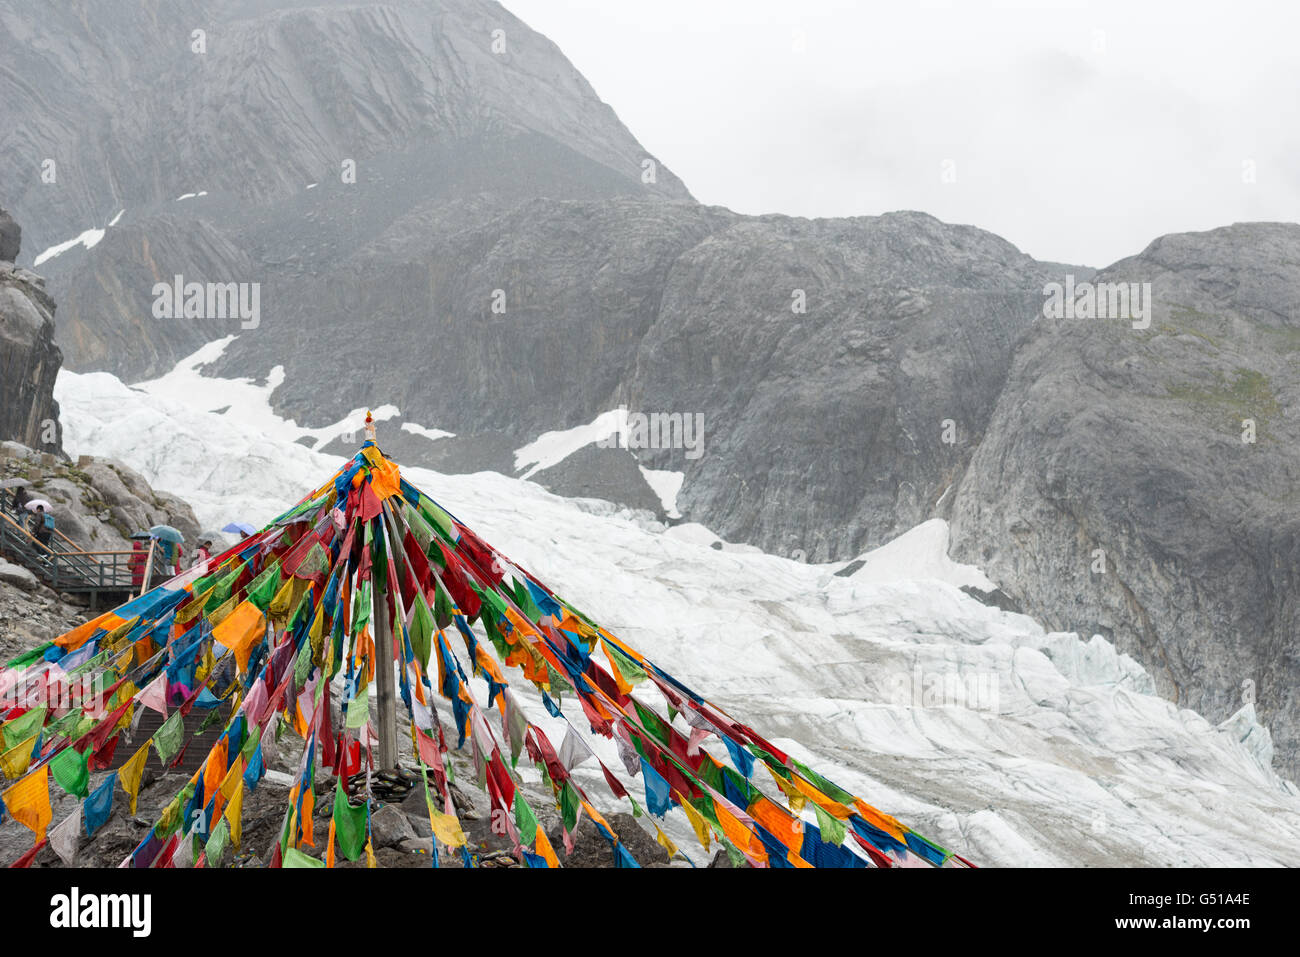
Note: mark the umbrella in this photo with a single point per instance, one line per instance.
(36, 503)
(167, 534)
(237, 527)
(14, 483)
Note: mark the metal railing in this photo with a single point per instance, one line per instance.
(67, 569)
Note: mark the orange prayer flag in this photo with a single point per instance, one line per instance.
(786, 828)
(545, 850)
(77, 636)
(240, 631)
(880, 820)
(214, 770)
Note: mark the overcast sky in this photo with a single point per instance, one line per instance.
(1078, 130)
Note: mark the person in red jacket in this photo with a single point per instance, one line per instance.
(139, 558)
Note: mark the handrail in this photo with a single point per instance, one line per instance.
(30, 537)
(76, 570)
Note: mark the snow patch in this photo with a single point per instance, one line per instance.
(552, 448)
(431, 434)
(90, 239)
(665, 484)
(921, 552)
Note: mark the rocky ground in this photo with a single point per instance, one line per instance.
(98, 503)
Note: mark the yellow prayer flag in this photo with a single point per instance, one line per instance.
(234, 778)
(329, 848)
(128, 775)
(697, 821)
(14, 762)
(234, 812)
(792, 794)
(370, 855)
(190, 610)
(29, 801)
(446, 828)
(665, 842)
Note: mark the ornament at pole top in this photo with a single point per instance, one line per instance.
(370, 427)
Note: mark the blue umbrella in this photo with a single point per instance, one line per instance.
(237, 527)
(166, 533)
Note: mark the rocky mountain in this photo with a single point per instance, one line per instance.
(502, 264)
(1144, 484)
(299, 132)
(29, 359)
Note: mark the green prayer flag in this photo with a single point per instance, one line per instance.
(169, 737)
(216, 846)
(214, 717)
(654, 724)
(27, 657)
(171, 820)
(72, 771)
(296, 858)
(262, 589)
(250, 743)
(569, 804)
(832, 828)
(826, 787)
(525, 820)
(630, 670)
(349, 826)
(443, 606)
(302, 667)
(22, 727)
(359, 709)
(733, 852)
(437, 518)
(65, 726)
(361, 608)
(524, 599)
(422, 630)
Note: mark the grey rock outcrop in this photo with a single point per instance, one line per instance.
(11, 236)
(1166, 456)
(29, 359)
(98, 503)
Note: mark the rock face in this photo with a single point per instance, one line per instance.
(11, 236)
(98, 503)
(1143, 483)
(29, 359)
(472, 106)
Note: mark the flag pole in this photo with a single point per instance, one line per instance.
(385, 685)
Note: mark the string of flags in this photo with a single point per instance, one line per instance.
(279, 634)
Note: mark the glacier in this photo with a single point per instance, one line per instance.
(1009, 744)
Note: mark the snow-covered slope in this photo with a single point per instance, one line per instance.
(1007, 744)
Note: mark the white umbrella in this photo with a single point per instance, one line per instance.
(36, 503)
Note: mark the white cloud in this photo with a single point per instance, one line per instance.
(1080, 131)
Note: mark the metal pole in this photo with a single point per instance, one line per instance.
(385, 684)
(148, 569)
